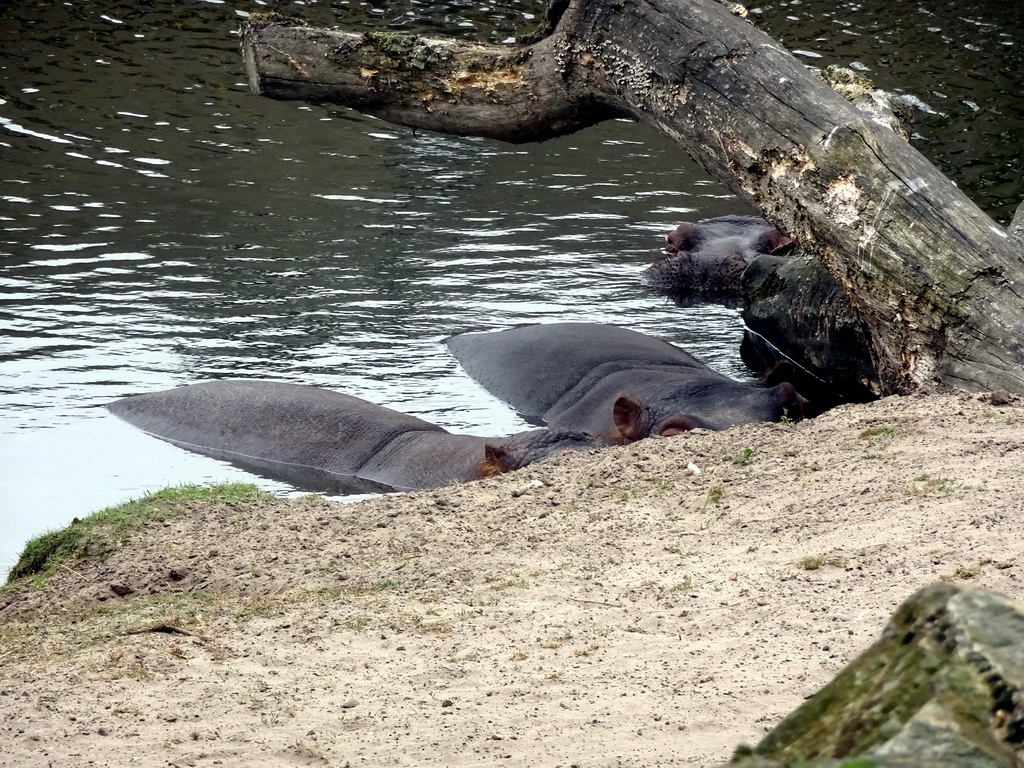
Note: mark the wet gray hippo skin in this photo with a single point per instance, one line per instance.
(321, 440)
(704, 261)
(613, 383)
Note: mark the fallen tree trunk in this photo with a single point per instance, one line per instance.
(1017, 225)
(937, 283)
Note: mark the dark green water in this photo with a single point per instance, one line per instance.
(964, 60)
(160, 225)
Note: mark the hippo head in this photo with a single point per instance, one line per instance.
(705, 261)
(519, 450)
(743, 234)
(635, 419)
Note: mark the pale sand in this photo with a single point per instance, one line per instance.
(625, 612)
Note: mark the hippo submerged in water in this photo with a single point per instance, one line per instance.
(614, 383)
(320, 440)
(800, 324)
(705, 261)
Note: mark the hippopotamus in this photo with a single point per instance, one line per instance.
(613, 383)
(704, 261)
(321, 440)
(800, 324)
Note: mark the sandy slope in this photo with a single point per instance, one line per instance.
(626, 611)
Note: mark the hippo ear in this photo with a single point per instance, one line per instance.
(497, 460)
(682, 238)
(627, 414)
(775, 242)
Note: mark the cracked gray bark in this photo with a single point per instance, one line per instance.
(1017, 224)
(936, 281)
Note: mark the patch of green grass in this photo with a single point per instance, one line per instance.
(591, 570)
(814, 562)
(924, 484)
(270, 718)
(179, 609)
(356, 623)
(744, 457)
(587, 650)
(967, 571)
(685, 585)
(715, 494)
(510, 583)
(675, 549)
(88, 625)
(803, 468)
(102, 532)
(556, 642)
(384, 585)
(888, 433)
(661, 485)
(881, 436)
(256, 610)
(486, 601)
(421, 625)
(811, 562)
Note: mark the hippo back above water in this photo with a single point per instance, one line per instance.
(320, 440)
(614, 383)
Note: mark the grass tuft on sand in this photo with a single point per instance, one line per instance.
(102, 532)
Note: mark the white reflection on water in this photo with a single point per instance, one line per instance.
(93, 463)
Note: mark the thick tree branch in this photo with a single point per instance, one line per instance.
(509, 93)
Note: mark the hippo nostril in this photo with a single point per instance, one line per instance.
(680, 423)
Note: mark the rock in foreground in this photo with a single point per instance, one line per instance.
(943, 687)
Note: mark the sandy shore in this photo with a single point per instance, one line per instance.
(655, 604)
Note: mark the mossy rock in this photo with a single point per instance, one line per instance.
(943, 687)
